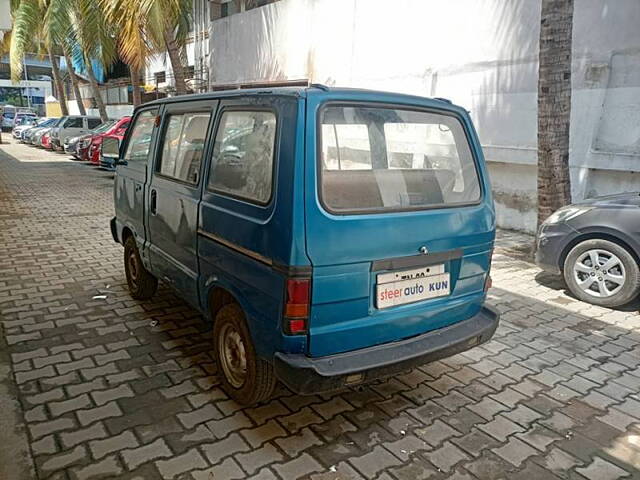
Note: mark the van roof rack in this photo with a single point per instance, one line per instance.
(262, 84)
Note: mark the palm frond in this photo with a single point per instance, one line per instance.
(26, 22)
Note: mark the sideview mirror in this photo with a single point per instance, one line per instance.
(111, 149)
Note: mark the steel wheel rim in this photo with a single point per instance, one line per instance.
(599, 273)
(233, 356)
(133, 268)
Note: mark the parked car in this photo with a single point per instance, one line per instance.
(9, 114)
(595, 246)
(22, 125)
(79, 146)
(21, 115)
(346, 235)
(72, 126)
(45, 140)
(30, 135)
(37, 139)
(71, 146)
(115, 128)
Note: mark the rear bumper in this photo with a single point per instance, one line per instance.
(306, 375)
(114, 230)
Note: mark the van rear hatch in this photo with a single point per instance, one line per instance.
(401, 227)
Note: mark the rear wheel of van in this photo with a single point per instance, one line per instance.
(245, 377)
(603, 273)
(142, 285)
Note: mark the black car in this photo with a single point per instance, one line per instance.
(595, 245)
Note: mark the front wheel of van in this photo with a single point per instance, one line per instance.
(245, 377)
(142, 285)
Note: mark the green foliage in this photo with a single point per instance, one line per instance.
(103, 29)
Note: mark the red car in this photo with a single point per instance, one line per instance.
(108, 162)
(118, 129)
(46, 141)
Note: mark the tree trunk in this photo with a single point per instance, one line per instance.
(135, 83)
(74, 83)
(554, 106)
(57, 80)
(96, 91)
(176, 63)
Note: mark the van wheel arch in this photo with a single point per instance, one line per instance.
(218, 298)
(126, 233)
(257, 381)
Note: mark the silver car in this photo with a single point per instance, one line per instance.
(72, 126)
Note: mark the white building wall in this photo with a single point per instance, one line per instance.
(5, 16)
(482, 54)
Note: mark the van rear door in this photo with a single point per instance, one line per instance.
(399, 222)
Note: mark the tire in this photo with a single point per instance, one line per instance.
(142, 284)
(616, 287)
(231, 335)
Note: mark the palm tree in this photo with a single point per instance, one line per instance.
(71, 24)
(74, 83)
(148, 27)
(134, 45)
(554, 106)
(27, 32)
(91, 31)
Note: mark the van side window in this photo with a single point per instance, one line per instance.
(182, 146)
(242, 164)
(140, 138)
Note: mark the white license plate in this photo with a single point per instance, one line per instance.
(398, 288)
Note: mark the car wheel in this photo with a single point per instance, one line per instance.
(142, 284)
(602, 273)
(244, 376)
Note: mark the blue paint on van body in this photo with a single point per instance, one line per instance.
(203, 242)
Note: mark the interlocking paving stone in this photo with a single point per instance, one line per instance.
(135, 457)
(254, 460)
(600, 469)
(72, 438)
(190, 460)
(99, 413)
(229, 446)
(229, 469)
(515, 451)
(446, 456)
(298, 467)
(108, 468)
(63, 460)
(44, 428)
(60, 408)
(554, 394)
(259, 435)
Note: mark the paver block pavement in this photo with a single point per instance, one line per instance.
(115, 387)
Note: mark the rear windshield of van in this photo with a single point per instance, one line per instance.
(383, 159)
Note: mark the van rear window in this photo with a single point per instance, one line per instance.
(379, 159)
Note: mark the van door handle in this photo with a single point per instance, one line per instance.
(154, 201)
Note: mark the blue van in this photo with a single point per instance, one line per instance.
(333, 236)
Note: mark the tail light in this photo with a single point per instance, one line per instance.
(488, 282)
(296, 306)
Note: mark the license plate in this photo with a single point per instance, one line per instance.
(398, 288)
